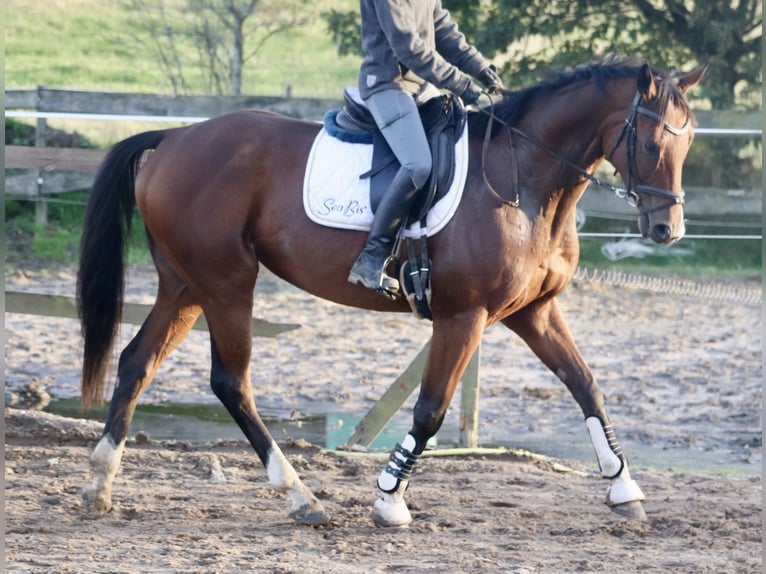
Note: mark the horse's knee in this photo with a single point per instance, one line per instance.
(226, 387)
(427, 419)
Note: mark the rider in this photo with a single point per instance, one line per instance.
(411, 48)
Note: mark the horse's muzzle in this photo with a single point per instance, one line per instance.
(660, 232)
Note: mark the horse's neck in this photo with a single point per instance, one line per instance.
(571, 124)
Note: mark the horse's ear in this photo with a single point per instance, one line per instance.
(688, 81)
(646, 85)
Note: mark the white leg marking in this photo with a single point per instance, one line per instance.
(282, 476)
(104, 463)
(391, 510)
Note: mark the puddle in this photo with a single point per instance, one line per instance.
(210, 422)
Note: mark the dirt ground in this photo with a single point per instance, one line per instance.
(682, 377)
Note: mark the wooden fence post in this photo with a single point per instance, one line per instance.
(41, 206)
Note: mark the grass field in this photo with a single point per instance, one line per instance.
(83, 44)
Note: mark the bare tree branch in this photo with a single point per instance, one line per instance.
(217, 31)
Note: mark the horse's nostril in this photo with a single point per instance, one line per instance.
(661, 233)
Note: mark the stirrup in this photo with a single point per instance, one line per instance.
(387, 285)
(380, 282)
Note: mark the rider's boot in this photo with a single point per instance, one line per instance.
(368, 270)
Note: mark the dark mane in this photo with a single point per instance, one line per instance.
(515, 104)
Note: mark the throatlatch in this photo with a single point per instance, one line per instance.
(400, 464)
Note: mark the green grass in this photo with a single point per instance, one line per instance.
(58, 242)
(714, 258)
(82, 44)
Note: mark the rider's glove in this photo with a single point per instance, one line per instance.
(471, 94)
(488, 76)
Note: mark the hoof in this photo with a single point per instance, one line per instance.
(630, 510)
(390, 515)
(94, 503)
(310, 515)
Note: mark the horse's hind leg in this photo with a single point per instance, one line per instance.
(172, 317)
(230, 326)
(543, 328)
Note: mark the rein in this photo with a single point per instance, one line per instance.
(514, 165)
(631, 194)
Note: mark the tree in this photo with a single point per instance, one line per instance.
(216, 31)
(534, 36)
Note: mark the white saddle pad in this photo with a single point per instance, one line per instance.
(335, 196)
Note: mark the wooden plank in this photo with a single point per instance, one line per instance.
(32, 184)
(92, 102)
(20, 99)
(54, 158)
(383, 411)
(87, 102)
(133, 313)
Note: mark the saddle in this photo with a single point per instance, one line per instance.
(444, 120)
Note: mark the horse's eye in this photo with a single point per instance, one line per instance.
(651, 148)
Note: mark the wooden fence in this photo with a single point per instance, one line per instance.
(371, 424)
(195, 107)
(60, 170)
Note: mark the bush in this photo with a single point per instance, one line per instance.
(19, 133)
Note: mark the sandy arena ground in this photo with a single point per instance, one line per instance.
(682, 377)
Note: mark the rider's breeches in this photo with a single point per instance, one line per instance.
(396, 114)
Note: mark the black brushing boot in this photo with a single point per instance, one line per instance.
(368, 270)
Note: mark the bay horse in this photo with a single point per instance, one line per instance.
(221, 197)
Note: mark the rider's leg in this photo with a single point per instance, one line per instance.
(396, 114)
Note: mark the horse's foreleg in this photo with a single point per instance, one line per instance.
(453, 344)
(230, 380)
(167, 325)
(544, 329)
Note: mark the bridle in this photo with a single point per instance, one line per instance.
(629, 132)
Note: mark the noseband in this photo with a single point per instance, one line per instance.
(631, 194)
(629, 133)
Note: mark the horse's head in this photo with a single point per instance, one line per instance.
(648, 150)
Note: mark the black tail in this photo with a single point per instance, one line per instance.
(102, 248)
